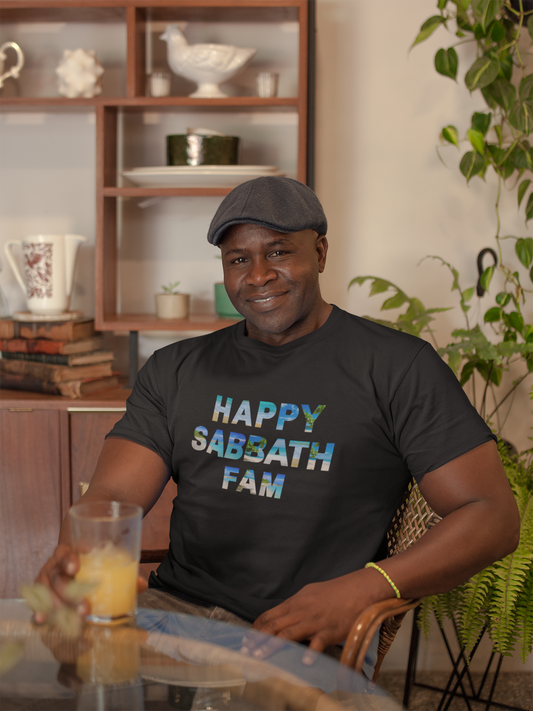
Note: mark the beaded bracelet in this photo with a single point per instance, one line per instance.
(380, 570)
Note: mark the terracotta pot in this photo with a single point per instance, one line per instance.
(172, 305)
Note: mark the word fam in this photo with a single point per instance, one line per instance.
(256, 449)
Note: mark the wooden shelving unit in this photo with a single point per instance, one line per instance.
(136, 16)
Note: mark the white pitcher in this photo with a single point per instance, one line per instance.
(49, 262)
(15, 69)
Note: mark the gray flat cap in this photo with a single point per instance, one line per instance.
(281, 204)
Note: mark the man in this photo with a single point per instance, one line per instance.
(292, 437)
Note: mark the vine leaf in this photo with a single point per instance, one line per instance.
(529, 208)
(482, 73)
(472, 163)
(524, 250)
(450, 134)
(446, 62)
(522, 189)
(428, 28)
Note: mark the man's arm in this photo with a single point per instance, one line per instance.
(125, 471)
(480, 525)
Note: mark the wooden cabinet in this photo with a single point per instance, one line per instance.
(131, 127)
(30, 493)
(47, 446)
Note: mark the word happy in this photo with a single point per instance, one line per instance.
(256, 449)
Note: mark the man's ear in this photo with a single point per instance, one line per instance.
(322, 251)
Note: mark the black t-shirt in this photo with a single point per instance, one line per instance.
(291, 460)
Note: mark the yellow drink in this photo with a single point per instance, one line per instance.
(115, 573)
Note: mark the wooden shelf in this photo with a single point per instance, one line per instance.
(168, 103)
(149, 322)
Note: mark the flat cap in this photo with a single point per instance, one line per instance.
(281, 204)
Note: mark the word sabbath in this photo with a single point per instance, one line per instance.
(291, 453)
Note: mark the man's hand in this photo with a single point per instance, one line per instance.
(58, 572)
(321, 613)
(55, 574)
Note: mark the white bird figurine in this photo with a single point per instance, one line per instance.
(206, 64)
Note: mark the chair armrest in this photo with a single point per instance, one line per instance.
(153, 556)
(365, 626)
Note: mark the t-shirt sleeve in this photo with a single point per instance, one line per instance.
(434, 421)
(145, 421)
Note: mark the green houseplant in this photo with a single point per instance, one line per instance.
(500, 598)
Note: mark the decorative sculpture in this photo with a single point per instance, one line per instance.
(79, 74)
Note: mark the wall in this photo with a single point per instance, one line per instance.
(390, 201)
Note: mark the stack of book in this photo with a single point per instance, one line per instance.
(55, 357)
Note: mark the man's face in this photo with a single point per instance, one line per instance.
(272, 280)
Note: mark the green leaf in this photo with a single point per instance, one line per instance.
(498, 32)
(522, 156)
(521, 116)
(455, 358)
(525, 90)
(531, 274)
(494, 314)
(38, 597)
(472, 163)
(524, 250)
(482, 73)
(446, 62)
(76, 591)
(394, 302)
(485, 11)
(506, 66)
(502, 93)
(486, 277)
(442, 4)
(451, 135)
(477, 140)
(428, 28)
(489, 99)
(503, 298)
(11, 654)
(481, 122)
(522, 189)
(379, 286)
(516, 321)
(468, 293)
(529, 208)
(530, 26)
(497, 154)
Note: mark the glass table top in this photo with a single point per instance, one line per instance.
(167, 661)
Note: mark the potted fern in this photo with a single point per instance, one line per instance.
(500, 598)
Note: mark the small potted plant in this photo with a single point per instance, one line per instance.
(171, 303)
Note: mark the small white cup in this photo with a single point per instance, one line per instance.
(159, 84)
(267, 85)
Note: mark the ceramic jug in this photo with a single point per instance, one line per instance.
(15, 70)
(49, 262)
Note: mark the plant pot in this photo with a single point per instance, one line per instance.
(223, 305)
(172, 305)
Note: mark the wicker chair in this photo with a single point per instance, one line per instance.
(412, 519)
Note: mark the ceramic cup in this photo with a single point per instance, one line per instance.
(267, 85)
(159, 84)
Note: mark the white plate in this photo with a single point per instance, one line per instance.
(196, 179)
(213, 168)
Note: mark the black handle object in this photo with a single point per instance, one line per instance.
(479, 289)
